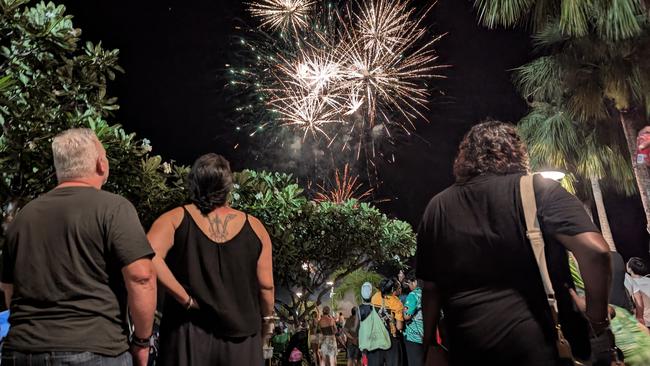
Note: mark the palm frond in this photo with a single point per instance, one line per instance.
(570, 183)
(586, 101)
(639, 82)
(590, 158)
(545, 10)
(506, 13)
(549, 35)
(550, 136)
(618, 19)
(574, 17)
(539, 79)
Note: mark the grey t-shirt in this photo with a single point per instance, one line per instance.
(64, 254)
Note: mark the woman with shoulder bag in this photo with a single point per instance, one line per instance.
(478, 265)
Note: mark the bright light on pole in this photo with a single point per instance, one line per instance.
(553, 174)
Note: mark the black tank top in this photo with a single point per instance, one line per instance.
(221, 277)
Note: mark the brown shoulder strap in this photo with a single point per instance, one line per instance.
(534, 234)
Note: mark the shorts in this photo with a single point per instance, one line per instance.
(328, 346)
(353, 352)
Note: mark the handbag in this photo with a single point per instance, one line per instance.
(373, 334)
(536, 240)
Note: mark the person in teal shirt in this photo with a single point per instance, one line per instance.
(414, 325)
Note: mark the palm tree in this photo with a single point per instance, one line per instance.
(594, 64)
(591, 153)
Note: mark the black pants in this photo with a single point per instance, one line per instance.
(192, 345)
(414, 353)
(389, 357)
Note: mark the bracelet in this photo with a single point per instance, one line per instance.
(141, 342)
(189, 303)
(270, 318)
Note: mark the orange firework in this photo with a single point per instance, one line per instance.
(345, 188)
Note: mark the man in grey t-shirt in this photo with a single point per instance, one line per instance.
(70, 258)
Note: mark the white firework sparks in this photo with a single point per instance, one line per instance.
(308, 114)
(372, 62)
(282, 15)
(388, 59)
(383, 25)
(310, 96)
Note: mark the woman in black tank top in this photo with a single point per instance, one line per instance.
(215, 263)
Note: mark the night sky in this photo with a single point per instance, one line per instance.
(174, 54)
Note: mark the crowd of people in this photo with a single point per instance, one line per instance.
(492, 283)
(397, 304)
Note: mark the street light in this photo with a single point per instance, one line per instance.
(553, 174)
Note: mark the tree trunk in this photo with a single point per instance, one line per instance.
(602, 213)
(640, 171)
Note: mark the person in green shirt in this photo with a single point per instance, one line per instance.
(414, 325)
(279, 341)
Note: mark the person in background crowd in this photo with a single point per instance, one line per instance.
(327, 330)
(364, 310)
(414, 326)
(639, 286)
(643, 144)
(340, 335)
(215, 263)
(314, 335)
(351, 331)
(403, 288)
(390, 309)
(68, 256)
(279, 341)
(478, 266)
(619, 295)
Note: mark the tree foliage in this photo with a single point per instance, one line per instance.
(592, 73)
(317, 242)
(49, 82)
(594, 52)
(556, 141)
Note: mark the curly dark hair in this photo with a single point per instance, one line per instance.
(490, 147)
(209, 182)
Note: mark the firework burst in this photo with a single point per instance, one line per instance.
(283, 15)
(345, 188)
(350, 75)
(388, 60)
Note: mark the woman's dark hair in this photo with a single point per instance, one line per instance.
(410, 277)
(209, 182)
(353, 311)
(326, 310)
(387, 286)
(490, 147)
(638, 266)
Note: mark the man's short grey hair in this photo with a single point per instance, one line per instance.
(75, 153)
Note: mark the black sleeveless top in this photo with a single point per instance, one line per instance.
(221, 277)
